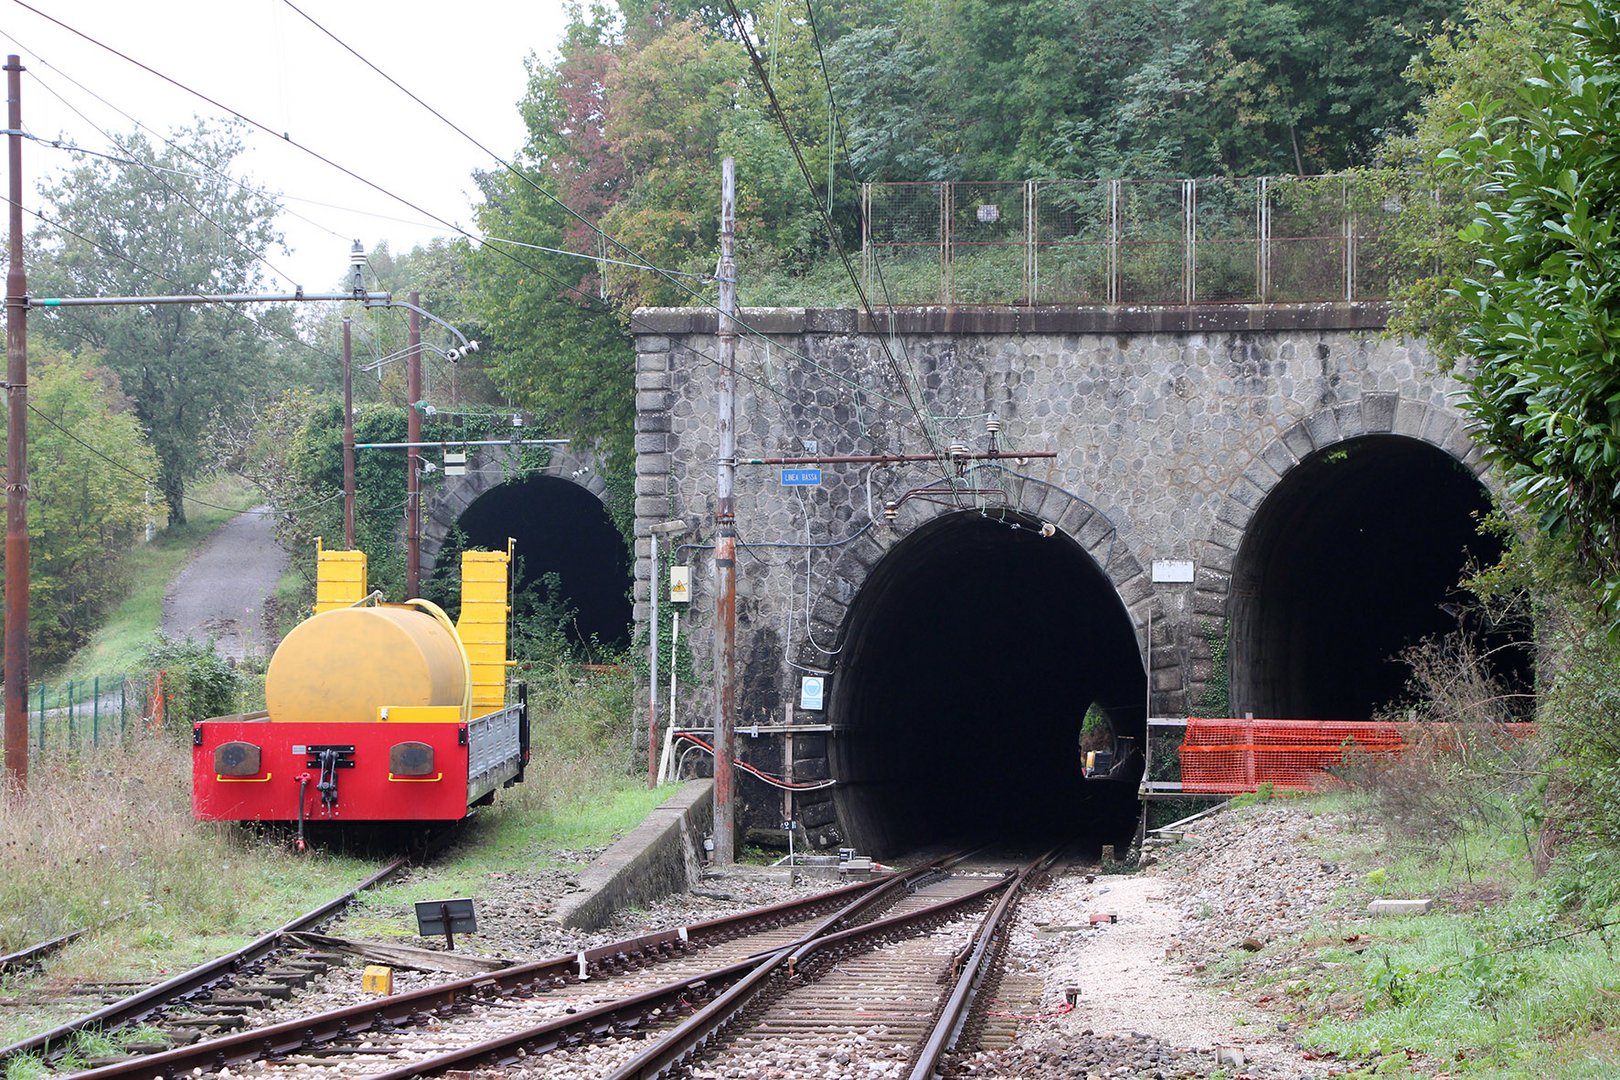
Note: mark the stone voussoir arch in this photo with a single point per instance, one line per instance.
(1374, 413)
(1090, 527)
(489, 467)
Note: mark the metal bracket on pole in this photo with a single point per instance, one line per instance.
(385, 301)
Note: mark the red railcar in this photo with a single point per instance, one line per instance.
(375, 712)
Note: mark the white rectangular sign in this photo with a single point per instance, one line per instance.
(1172, 571)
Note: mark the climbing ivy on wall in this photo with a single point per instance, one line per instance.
(1216, 700)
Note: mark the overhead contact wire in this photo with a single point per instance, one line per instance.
(642, 261)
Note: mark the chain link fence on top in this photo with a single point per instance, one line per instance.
(1145, 242)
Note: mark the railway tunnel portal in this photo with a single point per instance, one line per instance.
(571, 559)
(971, 660)
(1272, 459)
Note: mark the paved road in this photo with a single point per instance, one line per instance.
(221, 592)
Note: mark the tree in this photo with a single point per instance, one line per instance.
(87, 504)
(1485, 55)
(180, 224)
(1541, 297)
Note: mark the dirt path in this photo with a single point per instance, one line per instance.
(1244, 883)
(1132, 985)
(221, 592)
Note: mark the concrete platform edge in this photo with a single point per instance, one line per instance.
(662, 855)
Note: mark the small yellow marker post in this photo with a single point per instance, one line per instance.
(377, 979)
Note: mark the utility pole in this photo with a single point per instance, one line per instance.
(413, 456)
(16, 621)
(725, 520)
(348, 440)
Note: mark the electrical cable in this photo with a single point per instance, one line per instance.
(1113, 530)
(671, 275)
(774, 781)
(173, 144)
(157, 174)
(906, 386)
(849, 165)
(104, 249)
(600, 259)
(109, 459)
(543, 273)
(590, 300)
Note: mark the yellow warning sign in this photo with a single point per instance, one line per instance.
(680, 584)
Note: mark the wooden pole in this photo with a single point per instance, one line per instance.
(16, 617)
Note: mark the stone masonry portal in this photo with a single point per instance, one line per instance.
(1173, 427)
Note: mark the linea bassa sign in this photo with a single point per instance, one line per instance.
(801, 477)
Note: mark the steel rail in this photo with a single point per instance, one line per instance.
(138, 1006)
(626, 1014)
(696, 1032)
(311, 1031)
(953, 1016)
(33, 954)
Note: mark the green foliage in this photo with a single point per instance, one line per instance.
(1540, 296)
(1216, 699)
(1394, 986)
(627, 123)
(1485, 54)
(183, 366)
(1540, 579)
(86, 507)
(1082, 88)
(295, 455)
(197, 682)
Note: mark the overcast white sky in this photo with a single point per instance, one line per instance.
(263, 59)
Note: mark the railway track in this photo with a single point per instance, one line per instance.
(571, 986)
(848, 960)
(273, 969)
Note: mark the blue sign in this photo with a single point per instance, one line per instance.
(810, 692)
(801, 477)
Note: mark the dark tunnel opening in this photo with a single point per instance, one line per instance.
(971, 656)
(560, 528)
(1353, 558)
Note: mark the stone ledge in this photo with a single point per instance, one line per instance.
(964, 319)
(662, 855)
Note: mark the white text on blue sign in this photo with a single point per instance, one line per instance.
(801, 477)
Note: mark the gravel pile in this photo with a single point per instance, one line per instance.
(1246, 879)
(1250, 876)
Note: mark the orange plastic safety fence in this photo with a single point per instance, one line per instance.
(1229, 757)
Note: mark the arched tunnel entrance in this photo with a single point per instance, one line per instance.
(970, 658)
(560, 529)
(1354, 557)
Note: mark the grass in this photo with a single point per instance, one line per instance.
(1501, 980)
(521, 830)
(120, 645)
(108, 841)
